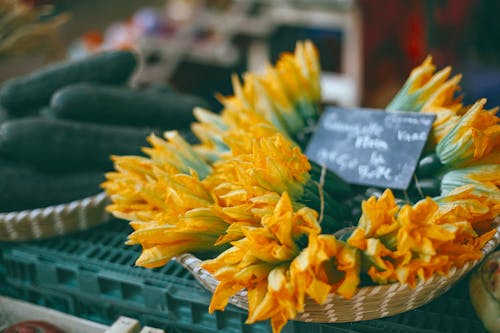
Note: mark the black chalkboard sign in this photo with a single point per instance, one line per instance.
(370, 147)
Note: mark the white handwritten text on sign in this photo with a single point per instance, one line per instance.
(370, 147)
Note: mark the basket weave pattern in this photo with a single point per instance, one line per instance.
(54, 220)
(369, 302)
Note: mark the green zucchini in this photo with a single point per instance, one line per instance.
(429, 166)
(427, 186)
(3, 115)
(55, 145)
(24, 188)
(124, 106)
(164, 88)
(34, 90)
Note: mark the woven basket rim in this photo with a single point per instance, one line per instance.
(338, 309)
(54, 220)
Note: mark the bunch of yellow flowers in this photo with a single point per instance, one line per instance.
(247, 197)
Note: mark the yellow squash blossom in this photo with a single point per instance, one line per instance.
(419, 87)
(260, 263)
(266, 99)
(470, 204)
(447, 108)
(420, 231)
(432, 240)
(272, 165)
(473, 137)
(166, 201)
(378, 215)
(484, 178)
(415, 242)
(444, 98)
(175, 152)
(279, 301)
(375, 234)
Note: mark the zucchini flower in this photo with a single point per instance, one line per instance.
(485, 180)
(168, 204)
(375, 234)
(248, 184)
(419, 87)
(430, 92)
(279, 271)
(284, 99)
(414, 242)
(447, 108)
(264, 249)
(473, 138)
(176, 152)
(149, 188)
(469, 204)
(432, 240)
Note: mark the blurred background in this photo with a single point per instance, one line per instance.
(367, 47)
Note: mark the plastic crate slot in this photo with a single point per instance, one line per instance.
(113, 312)
(104, 255)
(56, 245)
(151, 321)
(105, 239)
(109, 287)
(72, 247)
(45, 297)
(317, 328)
(20, 269)
(229, 321)
(93, 253)
(64, 246)
(155, 283)
(95, 311)
(200, 315)
(61, 303)
(180, 308)
(260, 327)
(115, 257)
(190, 295)
(382, 326)
(132, 292)
(46, 260)
(172, 268)
(368, 327)
(127, 260)
(2, 264)
(46, 274)
(118, 239)
(66, 276)
(127, 248)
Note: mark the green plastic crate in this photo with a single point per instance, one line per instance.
(92, 275)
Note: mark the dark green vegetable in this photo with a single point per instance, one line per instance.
(161, 89)
(333, 184)
(3, 115)
(56, 145)
(120, 105)
(427, 186)
(429, 166)
(35, 90)
(24, 188)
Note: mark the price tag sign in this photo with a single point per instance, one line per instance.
(370, 147)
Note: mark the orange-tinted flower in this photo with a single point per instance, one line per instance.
(419, 87)
(473, 137)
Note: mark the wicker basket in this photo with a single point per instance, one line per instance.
(54, 220)
(368, 303)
